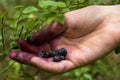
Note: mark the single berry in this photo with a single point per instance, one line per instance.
(15, 47)
(56, 58)
(62, 57)
(117, 50)
(40, 54)
(50, 54)
(30, 39)
(62, 51)
(54, 53)
(46, 55)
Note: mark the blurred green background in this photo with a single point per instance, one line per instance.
(107, 68)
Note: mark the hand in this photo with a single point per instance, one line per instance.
(88, 34)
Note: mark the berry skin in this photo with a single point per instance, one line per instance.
(30, 39)
(47, 55)
(56, 58)
(62, 51)
(54, 53)
(40, 54)
(15, 47)
(62, 58)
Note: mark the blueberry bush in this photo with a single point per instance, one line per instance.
(22, 18)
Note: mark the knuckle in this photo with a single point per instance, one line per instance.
(111, 21)
(112, 18)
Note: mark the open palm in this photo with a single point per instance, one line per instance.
(86, 35)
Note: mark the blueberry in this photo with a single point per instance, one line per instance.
(56, 58)
(40, 54)
(62, 58)
(15, 47)
(54, 53)
(62, 51)
(30, 39)
(46, 55)
(50, 54)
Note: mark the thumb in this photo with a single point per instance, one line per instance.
(21, 57)
(33, 60)
(47, 33)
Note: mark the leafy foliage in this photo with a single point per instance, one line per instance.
(19, 19)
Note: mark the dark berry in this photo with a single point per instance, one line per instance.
(62, 51)
(46, 55)
(117, 50)
(54, 53)
(50, 54)
(56, 58)
(62, 57)
(30, 39)
(15, 47)
(40, 54)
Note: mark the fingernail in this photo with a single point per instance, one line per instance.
(13, 55)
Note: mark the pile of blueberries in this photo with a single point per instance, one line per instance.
(57, 55)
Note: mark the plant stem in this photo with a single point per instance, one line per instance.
(21, 31)
(27, 32)
(27, 74)
(6, 69)
(18, 20)
(39, 76)
(2, 33)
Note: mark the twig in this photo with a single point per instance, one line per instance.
(6, 69)
(2, 33)
(111, 66)
(21, 31)
(27, 74)
(18, 20)
(27, 32)
(39, 76)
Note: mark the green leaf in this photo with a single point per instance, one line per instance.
(5, 69)
(50, 20)
(117, 50)
(45, 4)
(52, 9)
(30, 9)
(13, 23)
(60, 18)
(32, 16)
(19, 6)
(44, 14)
(60, 4)
(65, 10)
(31, 24)
(18, 13)
(3, 14)
(88, 76)
(22, 17)
(0, 37)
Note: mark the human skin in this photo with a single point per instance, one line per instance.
(88, 34)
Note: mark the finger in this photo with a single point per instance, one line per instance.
(21, 57)
(46, 34)
(56, 67)
(24, 46)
